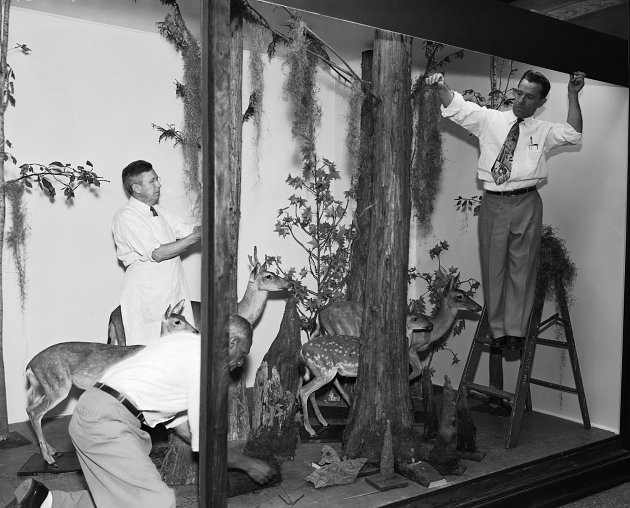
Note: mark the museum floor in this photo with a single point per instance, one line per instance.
(541, 435)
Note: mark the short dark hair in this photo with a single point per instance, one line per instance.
(537, 77)
(131, 171)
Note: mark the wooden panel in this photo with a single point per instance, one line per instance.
(489, 27)
(215, 269)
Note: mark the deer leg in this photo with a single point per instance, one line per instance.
(36, 410)
(416, 365)
(305, 393)
(342, 392)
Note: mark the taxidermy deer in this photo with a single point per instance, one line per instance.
(325, 356)
(251, 306)
(52, 372)
(453, 300)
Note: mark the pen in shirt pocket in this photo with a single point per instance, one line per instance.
(532, 144)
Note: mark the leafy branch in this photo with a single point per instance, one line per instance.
(314, 220)
(49, 177)
(436, 281)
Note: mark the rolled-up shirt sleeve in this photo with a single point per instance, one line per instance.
(562, 134)
(134, 240)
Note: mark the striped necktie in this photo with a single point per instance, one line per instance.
(502, 167)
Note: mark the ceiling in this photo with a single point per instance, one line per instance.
(607, 16)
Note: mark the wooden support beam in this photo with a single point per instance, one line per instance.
(493, 28)
(215, 268)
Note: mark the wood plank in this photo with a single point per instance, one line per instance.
(215, 284)
(488, 27)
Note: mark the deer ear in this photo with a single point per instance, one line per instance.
(456, 281)
(254, 273)
(168, 312)
(178, 308)
(449, 285)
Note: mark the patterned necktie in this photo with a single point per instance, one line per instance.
(155, 214)
(502, 167)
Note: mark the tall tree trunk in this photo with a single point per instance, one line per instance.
(363, 213)
(238, 408)
(382, 391)
(4, 41)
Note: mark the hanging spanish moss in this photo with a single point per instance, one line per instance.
(300, 89)
(15, 238)
(256, 72)
(427, 159)
(353, 136)
(174, 29)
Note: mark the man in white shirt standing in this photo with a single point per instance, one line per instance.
(159, 384)
(149, 241)
(511, 163)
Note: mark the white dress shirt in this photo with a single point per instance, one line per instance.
(162, 380)
(536, 137)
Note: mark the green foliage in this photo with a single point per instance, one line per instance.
(554, 262)
(501, 95)
(436, 281)
(169, 133)
(313, 219)
(300, 89)
(57, 175)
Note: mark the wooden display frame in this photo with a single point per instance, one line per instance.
(485, 26)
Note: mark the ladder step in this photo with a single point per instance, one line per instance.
(553, 386)
(552, 343)
(489, 390)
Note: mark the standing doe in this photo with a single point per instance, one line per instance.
(52, 372)
(251, 306)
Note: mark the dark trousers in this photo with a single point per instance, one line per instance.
(510, 228)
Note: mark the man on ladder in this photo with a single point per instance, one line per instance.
(512, 162)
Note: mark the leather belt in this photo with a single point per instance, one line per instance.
(514, 192)
(122, 399)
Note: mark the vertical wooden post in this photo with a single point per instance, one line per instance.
(382, 389)
(365, 170)
(215, 289)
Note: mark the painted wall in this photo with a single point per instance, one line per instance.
(91, 91)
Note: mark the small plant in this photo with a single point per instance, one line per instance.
(314, 220)
(436, 282)
(501, 95)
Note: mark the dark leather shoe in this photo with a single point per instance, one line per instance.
(513, 342)
(499, 342)
(30, 494)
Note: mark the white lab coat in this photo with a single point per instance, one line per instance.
(148, 287)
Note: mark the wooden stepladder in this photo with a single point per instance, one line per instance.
(521, 398)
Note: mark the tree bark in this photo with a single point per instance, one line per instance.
(363, 213)
(4, 39)
(382, 390)
(238, 416)
(274, 429)
(444, 456)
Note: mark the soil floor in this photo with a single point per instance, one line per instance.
(541, 435)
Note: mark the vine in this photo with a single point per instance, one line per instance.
(300, 89)
(353, 119)
(174, 30)
(256, 73)
(427, 163)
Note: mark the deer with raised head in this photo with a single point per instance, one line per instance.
(251, 306)
(325, 356)
(453, 300)
(52, 372)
